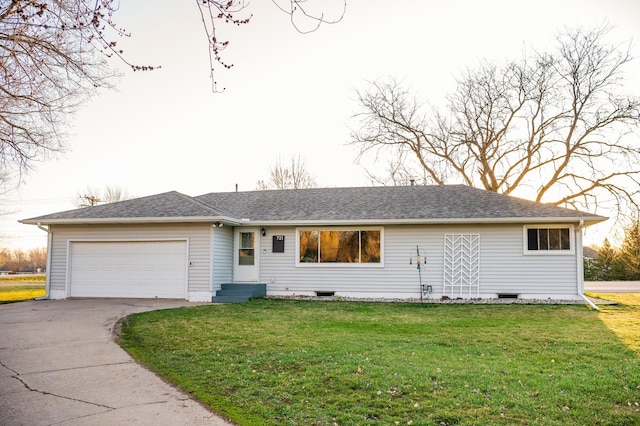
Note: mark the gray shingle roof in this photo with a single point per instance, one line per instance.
(166, 205)
(383, 203)
(324, 205)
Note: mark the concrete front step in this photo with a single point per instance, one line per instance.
(237, 293)
(229, 299)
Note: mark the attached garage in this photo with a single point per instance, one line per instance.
(129, 269)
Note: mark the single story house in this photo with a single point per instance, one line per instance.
(371, 242)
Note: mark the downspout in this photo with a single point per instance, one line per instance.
(47, 285)
(580, 267)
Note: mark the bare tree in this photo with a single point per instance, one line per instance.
(53, 55)
(555, 125)
(48, 66)
(296, 176)
(93, 196)
(38, 258)
(17, 260)
(305, 16)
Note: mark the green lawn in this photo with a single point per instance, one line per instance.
(278, 362)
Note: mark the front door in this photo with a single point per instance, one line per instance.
(247, 255)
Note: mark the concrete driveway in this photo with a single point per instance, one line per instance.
(59, 365)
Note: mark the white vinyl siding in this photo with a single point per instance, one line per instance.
(503, 266)
(222, 256)
(197, 235)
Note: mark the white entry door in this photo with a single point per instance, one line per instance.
(247, 255)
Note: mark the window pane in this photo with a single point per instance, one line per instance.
(565, 239)
(329, 245)
(339, 246)
(532, 239)
(246, 240)
(246, 257)
(554, 239)
(543, 239)
(309, 246)
(349, 247)
(370, 251)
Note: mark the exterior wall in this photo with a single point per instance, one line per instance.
(504, 267)
(222, 248)
(197, 235)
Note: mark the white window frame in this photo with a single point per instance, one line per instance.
(340, 265)
(525, 241)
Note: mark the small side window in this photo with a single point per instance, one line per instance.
(548, 239)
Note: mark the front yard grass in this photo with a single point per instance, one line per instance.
(288, 362)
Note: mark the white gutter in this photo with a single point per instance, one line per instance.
(431, 221)
(47, 284)
(580, 267)
(313, 222)
(589, 302)
(133, 220)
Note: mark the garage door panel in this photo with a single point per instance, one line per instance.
(145, 269)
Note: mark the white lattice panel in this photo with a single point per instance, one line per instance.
(462, 265)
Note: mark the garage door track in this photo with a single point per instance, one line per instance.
(59, 365)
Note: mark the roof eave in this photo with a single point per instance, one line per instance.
(229, 221)
(586, 221)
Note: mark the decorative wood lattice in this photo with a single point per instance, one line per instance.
(462, 265)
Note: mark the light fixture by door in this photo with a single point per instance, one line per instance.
(263, 232)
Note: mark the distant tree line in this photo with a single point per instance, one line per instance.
(617, 264)
(33, 260)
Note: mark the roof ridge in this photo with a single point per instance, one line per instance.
(211, 209)
(215, 209)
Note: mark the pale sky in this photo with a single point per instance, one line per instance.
(287, 95)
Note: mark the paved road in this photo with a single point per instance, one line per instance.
(612, 286)
(59, 365)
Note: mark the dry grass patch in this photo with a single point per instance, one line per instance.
(10, 293)
(624, 318)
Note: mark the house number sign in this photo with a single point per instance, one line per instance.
(278, 244)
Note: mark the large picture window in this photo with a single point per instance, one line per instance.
(331, 246)
(548, 239)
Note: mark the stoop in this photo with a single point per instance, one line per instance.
(238, 293)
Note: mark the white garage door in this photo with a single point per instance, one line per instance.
(145, 269)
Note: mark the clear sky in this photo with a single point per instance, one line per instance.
(287, 95)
